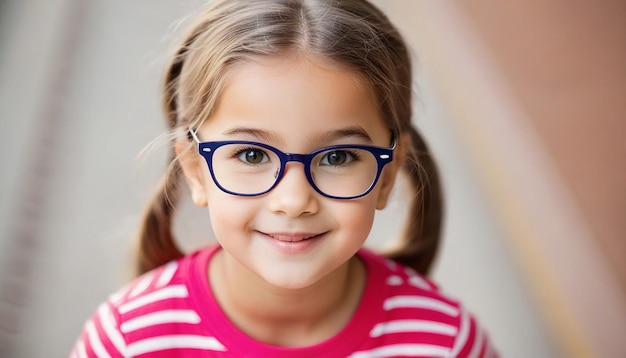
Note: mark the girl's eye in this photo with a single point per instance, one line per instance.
(252, 156)
(337, 157)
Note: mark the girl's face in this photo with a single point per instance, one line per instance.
(292, 236)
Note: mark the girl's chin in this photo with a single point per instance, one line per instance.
(293, 280)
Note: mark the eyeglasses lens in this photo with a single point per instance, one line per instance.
(248, 169)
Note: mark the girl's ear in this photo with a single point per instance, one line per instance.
(191, 164)
(388, 176)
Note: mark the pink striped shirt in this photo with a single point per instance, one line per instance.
(171, 312)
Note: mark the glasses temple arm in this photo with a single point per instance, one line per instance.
(194, 135)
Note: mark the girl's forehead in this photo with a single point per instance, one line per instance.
(309, 93)
(301, 63)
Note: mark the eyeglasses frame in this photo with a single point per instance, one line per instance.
(383, 157)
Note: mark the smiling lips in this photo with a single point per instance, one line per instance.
(295, 237)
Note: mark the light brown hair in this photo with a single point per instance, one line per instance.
(351, 32)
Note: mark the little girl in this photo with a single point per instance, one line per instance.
(290, 120)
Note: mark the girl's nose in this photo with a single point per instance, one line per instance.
(294, 195)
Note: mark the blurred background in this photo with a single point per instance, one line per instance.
(522, 102)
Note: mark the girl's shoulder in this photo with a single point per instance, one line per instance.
(396, 274)
(155, 304)
(414, 304)
(168, 280)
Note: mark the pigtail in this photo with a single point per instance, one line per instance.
(422, 231)
(156, 242)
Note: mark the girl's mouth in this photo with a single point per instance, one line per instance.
(292, 237)
(293, 242)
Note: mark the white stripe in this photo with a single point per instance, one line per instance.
(405, 350)
(141, 286)
(416, 280)
(167, 274)
(409, 325)
(159, 295)
(73, 354)
(420, 283)
(394, 280)
(463, 333)
(117, 296)
(393, 266)
(478, 344)
(108, 324)
(80, 349)
(94, 340)
(174, 341)
(420, 302)
(160, 317)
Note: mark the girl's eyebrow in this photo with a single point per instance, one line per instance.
(348, 132)
(259, 134)
(328, 137)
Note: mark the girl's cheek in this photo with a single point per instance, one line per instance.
(359, 216)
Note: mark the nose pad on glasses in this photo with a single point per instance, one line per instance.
(290, 197)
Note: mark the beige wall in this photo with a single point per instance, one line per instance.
(565, 63)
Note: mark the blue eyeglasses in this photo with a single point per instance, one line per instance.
(247, 168)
